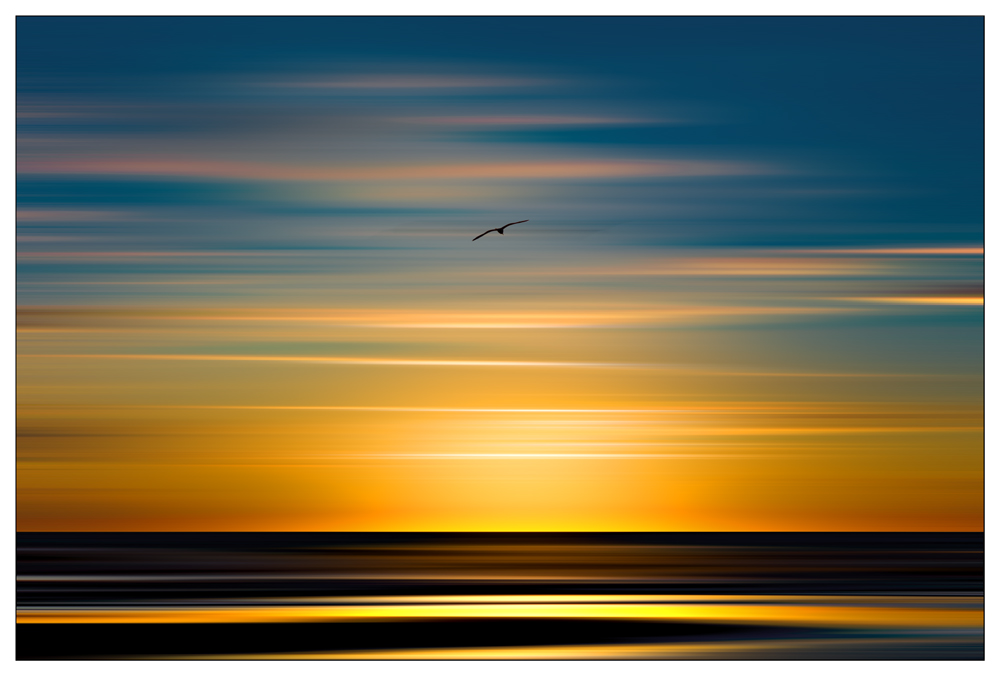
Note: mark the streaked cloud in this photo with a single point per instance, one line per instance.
(919, 300)
(584, 320)
(105, 255)
(556, 456)
(509, 364)
(770, 262)
(449, 193)
(904, 251)
(69, 215)
(744, 266)
(824, 410)
(409, 81)
(516, 170)
(360, 361)
(524, 121)
(431, 319)
(39, 239)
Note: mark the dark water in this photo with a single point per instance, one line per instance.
(649, 596)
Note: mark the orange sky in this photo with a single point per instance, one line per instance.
(553, 432)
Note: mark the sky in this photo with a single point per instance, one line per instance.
(748, 296)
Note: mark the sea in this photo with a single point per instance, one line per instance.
(500, 596)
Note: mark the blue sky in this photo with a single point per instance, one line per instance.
(886, 108)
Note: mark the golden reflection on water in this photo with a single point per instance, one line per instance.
(915, 611)
(738, 650)
(500, 596)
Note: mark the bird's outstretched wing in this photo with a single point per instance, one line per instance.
(486, 233)
(500, 229)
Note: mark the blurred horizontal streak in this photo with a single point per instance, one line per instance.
(362, 361)
(458, 599)
(164, 577)
(903, 251)
(919, 300)
(523, 120)
(799, 649)
(416, 319)
(48, 238)
(572, 652)
(549, 456)
(66, 215)
(950, 602)
(769, 261)
(808, 409)
(723, 431)
(388, 409)
(496, 170)
(863, 615)
(99, 255)
(608, 319)
(748, 267)
(407, 81)
(834, 375)
(344, 360)
(132, 282)
(201, 465)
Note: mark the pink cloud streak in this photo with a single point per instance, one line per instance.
(475, 170)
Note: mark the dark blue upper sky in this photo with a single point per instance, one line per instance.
(894, 102)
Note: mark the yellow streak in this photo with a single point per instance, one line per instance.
(429, 319)
(683, 651)
(543, 653)
(384, 361)
(521, 456)
(522, 320)
(724, 431)
(389, 409)
(816, 615)
(646, 598)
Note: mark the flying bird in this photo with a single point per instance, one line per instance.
(500, 230)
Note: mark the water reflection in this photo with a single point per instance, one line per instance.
(500, 596)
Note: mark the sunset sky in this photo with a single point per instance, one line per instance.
(748, 296)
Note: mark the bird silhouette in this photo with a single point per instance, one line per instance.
(500, 230)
